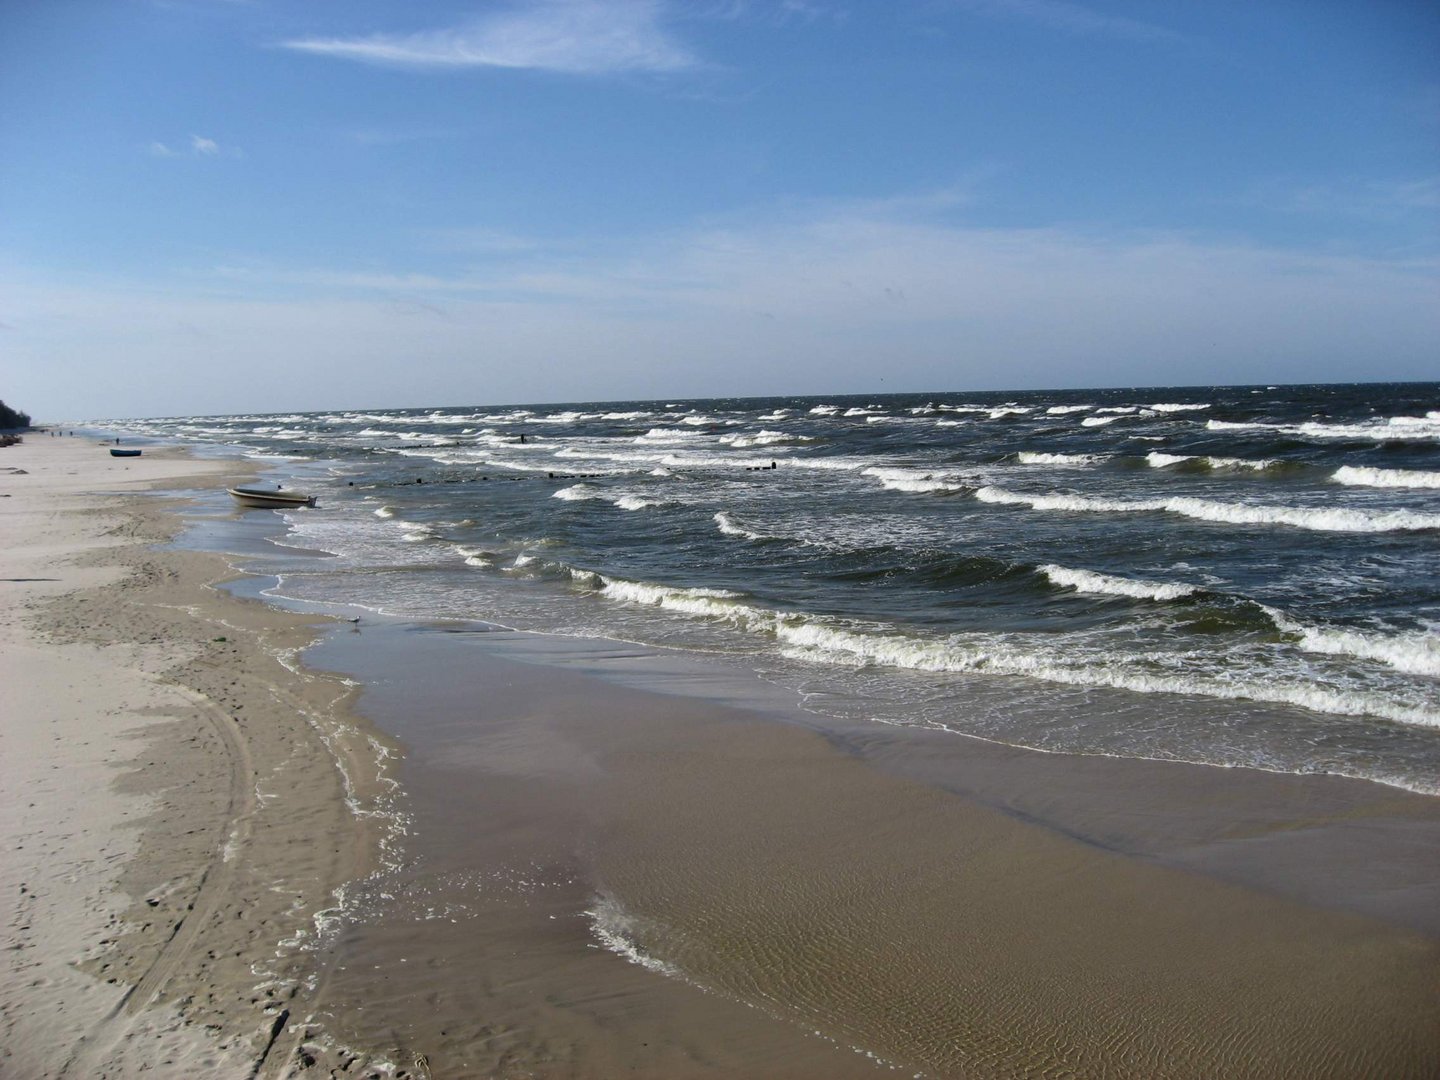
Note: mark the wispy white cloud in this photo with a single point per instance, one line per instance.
(1376, 199)
(575, 37)
(198, 146)
(1071, 18)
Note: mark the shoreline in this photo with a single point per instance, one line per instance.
(672, 824)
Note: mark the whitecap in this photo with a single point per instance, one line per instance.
(1415, 653)
(1358, 476)
(1329, 519)
(1089, 581)
(1035, 457)
(577, 493)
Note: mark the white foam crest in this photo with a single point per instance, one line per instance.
(1335, 519)
(1172, 407)
(920, 487)
(569, 417)
(615, 930)
(1392, 429)
(701, 461)
(577, 493)
(1089, 581)
(1036, 457)
(913, 481)
(967, 653)
(707, 603)
(830, 464)
(1065, 410)
(1396, 428)
(656, 434)
(1157, 460)
(778, 414)
(1009, 410)
(635, 502)
(1414, 653)
(730, 527)
(1359, 476)
(1231, 425)
(858, 412)
(825, 410)
(385, 512)
(1119, 410)
(1098, 421)
(763, 438)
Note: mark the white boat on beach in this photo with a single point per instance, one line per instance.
(271, 500)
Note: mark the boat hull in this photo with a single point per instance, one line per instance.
(124, 453)
(270, 500)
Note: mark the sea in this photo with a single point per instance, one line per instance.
(1236, 576)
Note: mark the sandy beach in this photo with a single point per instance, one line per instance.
(178, 804)
(184, 801)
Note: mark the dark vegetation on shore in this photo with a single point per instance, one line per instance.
(12, 418)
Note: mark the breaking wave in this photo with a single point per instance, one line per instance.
(1356, 476)
(911, 480)
(1034, 457)
(1336, 519)
(1157, 460)
(1088, 581)
(1414, 653)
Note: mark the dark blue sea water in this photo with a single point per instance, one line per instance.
(1227, 575)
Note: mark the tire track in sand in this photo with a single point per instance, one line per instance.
(213, 885)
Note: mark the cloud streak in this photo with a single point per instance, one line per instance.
(572, 37)
(199, 146)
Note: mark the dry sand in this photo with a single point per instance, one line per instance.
(173, 810)
(179, 805)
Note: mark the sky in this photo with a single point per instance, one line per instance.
(220, 206)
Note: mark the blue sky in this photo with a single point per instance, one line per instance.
(234, 205)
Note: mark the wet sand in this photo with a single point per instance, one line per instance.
(597, 878)
(599, 874)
